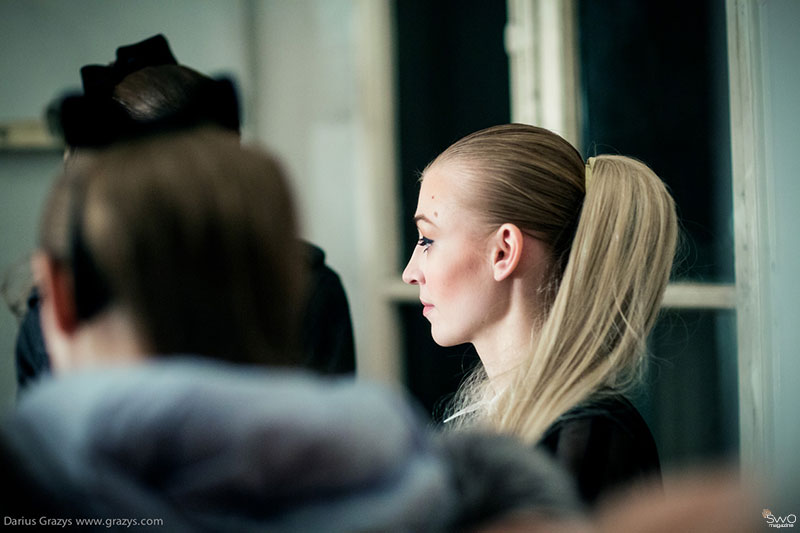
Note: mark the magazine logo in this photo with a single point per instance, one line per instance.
(778, 521)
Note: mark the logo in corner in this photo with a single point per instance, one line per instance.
(778, 521)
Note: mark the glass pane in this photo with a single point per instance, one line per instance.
(655, 87)
(690, 395)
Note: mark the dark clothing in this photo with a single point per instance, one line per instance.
(604, 444)
(327, 332)
(30, 353)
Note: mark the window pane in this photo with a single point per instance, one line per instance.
(690, 397)
(655, 87)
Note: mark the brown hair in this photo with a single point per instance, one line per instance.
(194, 235)
(612, 243)
(178, 97)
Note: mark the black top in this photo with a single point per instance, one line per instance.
(604, 444)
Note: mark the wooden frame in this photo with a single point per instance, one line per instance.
(752, 223)
(378, 338)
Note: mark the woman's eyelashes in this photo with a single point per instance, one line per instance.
(424, 242)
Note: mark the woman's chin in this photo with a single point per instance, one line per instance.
(445, 340)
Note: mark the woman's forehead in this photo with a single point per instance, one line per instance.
(444, 184)
(436, 196)
(442, 198)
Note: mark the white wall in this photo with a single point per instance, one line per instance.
(294, 61)
(781, 48)
(306, 111)
(45, 42)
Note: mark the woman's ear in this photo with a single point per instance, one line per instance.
(507, 244)
(58, 298)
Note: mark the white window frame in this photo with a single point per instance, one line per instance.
(752, 190)
(378, 336)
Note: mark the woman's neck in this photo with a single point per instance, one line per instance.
(507, 343)
(106, 340)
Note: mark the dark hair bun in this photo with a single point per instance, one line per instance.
(98, 118)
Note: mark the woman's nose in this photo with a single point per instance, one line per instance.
(412, 274)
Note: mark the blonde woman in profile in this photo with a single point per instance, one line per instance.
(554, 269)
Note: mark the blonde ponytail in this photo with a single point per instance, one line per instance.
(594, 337)
(604, 302)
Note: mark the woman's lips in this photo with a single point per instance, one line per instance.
(426, 308)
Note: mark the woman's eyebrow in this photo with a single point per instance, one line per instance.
(419, 217)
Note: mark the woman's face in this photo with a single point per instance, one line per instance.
(451, 262)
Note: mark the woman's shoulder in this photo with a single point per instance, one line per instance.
(615, 411)
(606, 419)
(604, 443)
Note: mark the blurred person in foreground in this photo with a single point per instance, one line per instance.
(171, 280)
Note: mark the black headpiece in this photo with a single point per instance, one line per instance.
(95, 118)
